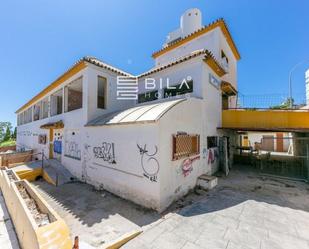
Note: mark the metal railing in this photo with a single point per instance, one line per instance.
(29, 158)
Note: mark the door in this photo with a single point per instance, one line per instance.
(279, 140)
(268, 143)
(223, 155)
(57, 144)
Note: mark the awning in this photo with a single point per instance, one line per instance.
(228, 89)
(140, 114)
(53, 125)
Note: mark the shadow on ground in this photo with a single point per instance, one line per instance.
(244, 184)
(91, 206)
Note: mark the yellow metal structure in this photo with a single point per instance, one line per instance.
(272, 120)
(32, 174)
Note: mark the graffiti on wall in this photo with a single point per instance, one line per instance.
(105, 152)
(72, 150)
(213, 155)
(187, 165)
(27, 133)
(150, 164)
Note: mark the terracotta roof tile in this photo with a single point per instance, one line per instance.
(207, 55)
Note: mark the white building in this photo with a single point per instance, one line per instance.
(150, 150)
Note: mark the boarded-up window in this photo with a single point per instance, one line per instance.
(185, 145)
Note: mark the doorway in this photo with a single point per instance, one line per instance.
(57, 144)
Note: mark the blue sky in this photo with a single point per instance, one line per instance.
(40, 39)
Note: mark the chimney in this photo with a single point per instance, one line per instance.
(190, 22)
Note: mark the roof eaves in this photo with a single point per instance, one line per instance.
(99, 63)
(217, 23)
(207, 53)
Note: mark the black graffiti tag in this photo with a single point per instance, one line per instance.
(149, 163)
(105, 152)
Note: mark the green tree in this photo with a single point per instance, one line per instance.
(285, 105)
(4, 127)
(14, 134)
(7, 134)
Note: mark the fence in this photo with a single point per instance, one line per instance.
(270, 101)
(291, 162)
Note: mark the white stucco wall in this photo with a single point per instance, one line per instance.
(112, 104)
(174, 183)
(208, 41)
(175, 75)
(111, 159)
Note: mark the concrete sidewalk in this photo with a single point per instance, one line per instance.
(244, 211)
(8, 238)
(97, 217)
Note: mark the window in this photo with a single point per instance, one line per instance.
(224, 61)
(225, 102)
(28, 115)
(36, 111)
(179, 89)
(74, 95)
(18, 119)
(56, 101)
(185, 145)
(223, 56)
(148, 96)
(101, 93)
(45, 107)
(212, 142)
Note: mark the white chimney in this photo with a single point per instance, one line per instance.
(190, 22)
(307, 87)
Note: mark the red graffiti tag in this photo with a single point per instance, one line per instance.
(187, 165)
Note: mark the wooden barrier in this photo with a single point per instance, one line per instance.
(11, 159)
(6, 148)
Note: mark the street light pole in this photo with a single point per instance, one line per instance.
(290, 82)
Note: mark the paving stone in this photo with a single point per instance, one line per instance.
(243, 237)
(287, 240)
(232, 245)
(213, 243)
(190, 245)
(225, 221)
(168, 240)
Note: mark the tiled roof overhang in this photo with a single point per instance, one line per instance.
(208, 58)
(77, 67)
(228, 89)
(53, 125)
(218, 23)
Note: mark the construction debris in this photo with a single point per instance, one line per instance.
(40, 218)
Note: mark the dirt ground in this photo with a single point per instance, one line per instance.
(99, 217)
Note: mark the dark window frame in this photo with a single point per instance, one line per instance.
(104, 97)
(212, 142)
